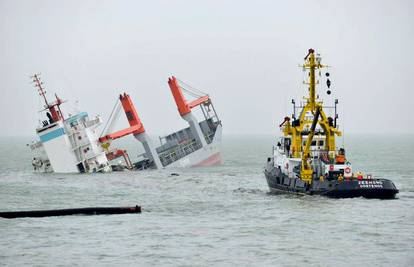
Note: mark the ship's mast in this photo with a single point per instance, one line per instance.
(39, 85)
(300, 126)
(54, 108)
(312, 64)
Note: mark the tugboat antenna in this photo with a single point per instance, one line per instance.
(294, 109)
(336, 114)
(312, 64)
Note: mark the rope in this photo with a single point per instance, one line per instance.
(114, 119)
(109, 123)
(191, 90)
(190, 93)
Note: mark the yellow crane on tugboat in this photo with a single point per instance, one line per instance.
(295, 129)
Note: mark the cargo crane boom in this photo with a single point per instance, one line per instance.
(185, 107)
(307, 172)
(136, 128)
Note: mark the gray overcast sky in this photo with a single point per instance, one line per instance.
(245, 54)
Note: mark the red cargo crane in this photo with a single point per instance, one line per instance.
(184, 107)
(136, 127)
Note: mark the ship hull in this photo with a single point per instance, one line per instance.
(367, 188)
(206, 156)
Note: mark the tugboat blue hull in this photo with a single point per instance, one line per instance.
(367, 188)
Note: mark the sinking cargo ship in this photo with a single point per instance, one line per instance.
(306, 160)
(72, 144)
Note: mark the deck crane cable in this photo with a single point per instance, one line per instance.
(112, 118)
(189, 87)
(191, 90)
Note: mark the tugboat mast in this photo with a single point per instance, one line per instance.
(311, 65)
(296, 129)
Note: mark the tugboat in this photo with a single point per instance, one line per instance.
(306, 159)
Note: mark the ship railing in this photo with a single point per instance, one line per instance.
(93, 122)
(314, 153)
(178, 152)
(36, 145)
(45, 126)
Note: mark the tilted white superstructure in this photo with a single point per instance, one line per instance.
(67, 145)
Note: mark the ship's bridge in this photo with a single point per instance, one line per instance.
(317, 148)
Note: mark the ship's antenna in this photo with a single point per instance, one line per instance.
(39, 85)
(312, 86)
(343, 136)
(53, 107)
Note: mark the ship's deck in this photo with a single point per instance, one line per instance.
(182, 143)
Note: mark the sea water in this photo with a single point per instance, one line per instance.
(215, 216)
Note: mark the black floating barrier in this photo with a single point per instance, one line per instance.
(64, 212)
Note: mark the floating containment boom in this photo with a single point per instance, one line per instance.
(64, 212)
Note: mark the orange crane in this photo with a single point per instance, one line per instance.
(136, 127)
(184, 107)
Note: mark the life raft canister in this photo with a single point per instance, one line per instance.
(347, 172)
(340, 159)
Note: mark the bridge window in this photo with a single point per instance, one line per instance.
(320, 142)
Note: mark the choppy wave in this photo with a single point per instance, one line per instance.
(206, 216)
